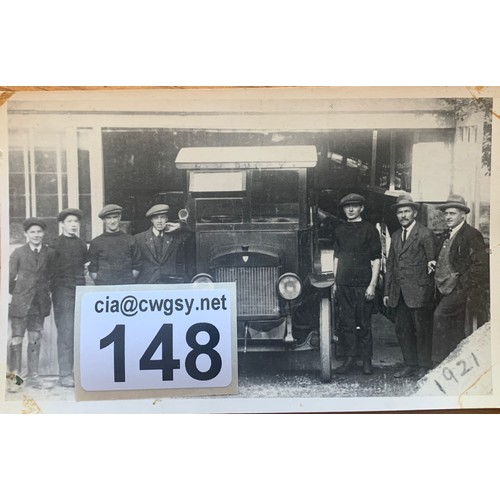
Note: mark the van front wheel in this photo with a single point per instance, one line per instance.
(325, 340)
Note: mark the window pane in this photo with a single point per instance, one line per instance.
(64, 168)
(46, 184)
(274, 196)
(222, 211)
(18, 206)
(83, 172)
(16, 184)
(64, 183)
(46, 205)
(16, 160)
(45, 161)
(16, 231)
(86, 226)
(207, 182)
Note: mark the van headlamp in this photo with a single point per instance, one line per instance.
(202, 278)
(289, 286)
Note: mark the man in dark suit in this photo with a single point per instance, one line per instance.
(461, 278)
(409, 287)
(29, 284)
(165, 249)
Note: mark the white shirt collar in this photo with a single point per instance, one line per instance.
(456, 229)
(408, 229)
(156, 232)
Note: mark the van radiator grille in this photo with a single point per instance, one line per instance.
(255, 289)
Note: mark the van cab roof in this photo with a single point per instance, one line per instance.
(247, 157)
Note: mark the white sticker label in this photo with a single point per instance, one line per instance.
(156, 338)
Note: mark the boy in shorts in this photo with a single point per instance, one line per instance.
(30, 271)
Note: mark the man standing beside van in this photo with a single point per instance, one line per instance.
(358, 251)
(164, 249)
(409, 287)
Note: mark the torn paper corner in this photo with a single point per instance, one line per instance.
(465, 372)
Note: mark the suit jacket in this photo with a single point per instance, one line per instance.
(407, 268)
(176, 259)
(469, 258)
(28, 278)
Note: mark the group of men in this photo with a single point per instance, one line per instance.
(431, 282)
(422, 270)
(42, 275)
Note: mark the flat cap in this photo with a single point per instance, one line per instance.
(69, 211)
(157, 210)
(352, 198)
(405, 200)
(34, 221)
(110, 210)
(455, 201)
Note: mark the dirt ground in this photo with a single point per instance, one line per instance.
(295, 374)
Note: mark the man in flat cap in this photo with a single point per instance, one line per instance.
(461, 278)
(165, 249)
(357, 250)
(69, 272)
(115, 258)
(409, 287)
(29, 284)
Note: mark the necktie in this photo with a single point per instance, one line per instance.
(404, 235)
(448, 234)
(159, 245)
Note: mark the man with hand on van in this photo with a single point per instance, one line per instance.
(164, 248)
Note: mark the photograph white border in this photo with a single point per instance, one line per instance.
(251, 405)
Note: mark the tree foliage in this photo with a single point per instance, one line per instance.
(465, 107)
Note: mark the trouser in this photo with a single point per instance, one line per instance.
(449, 324)
(63, 299)
(16, 346)
(414, 331)
(15, 357)
(354, 311)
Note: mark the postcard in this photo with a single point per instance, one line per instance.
(227, 250)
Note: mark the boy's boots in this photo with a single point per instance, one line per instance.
(15, 362)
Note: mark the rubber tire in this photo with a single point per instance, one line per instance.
(325, 339)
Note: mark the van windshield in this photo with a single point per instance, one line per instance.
(274, 196)
(257, 196)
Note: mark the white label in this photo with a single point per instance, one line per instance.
(156, 338)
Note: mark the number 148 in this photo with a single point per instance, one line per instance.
(167, 363)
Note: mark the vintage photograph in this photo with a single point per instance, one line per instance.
(357, 227)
